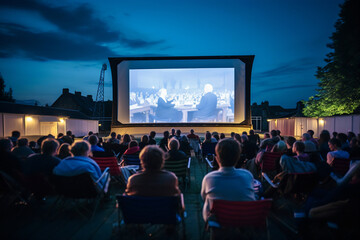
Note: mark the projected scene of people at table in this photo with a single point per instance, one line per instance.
(181, 95)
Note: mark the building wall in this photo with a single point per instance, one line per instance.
(36, 125)
(344, 124)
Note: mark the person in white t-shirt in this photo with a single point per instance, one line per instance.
(336, 152)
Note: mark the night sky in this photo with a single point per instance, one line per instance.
(49, 45)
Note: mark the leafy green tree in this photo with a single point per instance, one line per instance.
(4, 95)
(339, 90)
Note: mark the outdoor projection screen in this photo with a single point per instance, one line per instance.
(151, 91)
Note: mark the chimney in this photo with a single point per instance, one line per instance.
(78, 94)
(89, 97)
(65, 90)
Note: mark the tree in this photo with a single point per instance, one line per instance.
(340, 78)
(4, 95)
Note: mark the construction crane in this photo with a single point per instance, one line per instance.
(99, 109)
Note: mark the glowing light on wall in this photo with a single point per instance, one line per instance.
(321, 121)
(28, 118)
(61, 120)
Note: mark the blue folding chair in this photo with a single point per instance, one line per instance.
(150, 210)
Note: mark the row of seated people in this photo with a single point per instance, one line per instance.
(231, 183)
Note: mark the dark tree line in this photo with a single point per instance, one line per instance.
(339, 87)
(5, 95)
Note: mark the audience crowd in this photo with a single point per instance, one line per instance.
(240, 160)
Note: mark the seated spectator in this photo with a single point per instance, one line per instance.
(80, 163)
(113, 139)
(118, 137)
(45, 162)
(254, 138)
(172, 133)
(174, 154)
(9, 163)
(268, 143)
(152, 181)
(354, 149)
(185, 145)
(207, 138)
(216, 136)
(22, 150)
(309, 145)
(335, 151)
(344, 142)
(299, 163)
(249, 149)
(289, 145)
(279, 135)
(227, 183)
(152, 140)
(350, 136)
(324, 143)
(86, 138)
(312, 139)
(93, 140)
(59, 138)
(15, 135)
(222, 136)
(178, 134)
(280, 147)
(144, 142)
(33, 147)
(192, 135)
(133, 148)
(164, 141)
(64, 151)
(334, 134)
(70, 135)
(194, 141)
(232, 135)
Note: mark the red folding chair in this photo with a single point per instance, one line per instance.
(112, 164)
(238, 214)
(340, 166)
(269, 162)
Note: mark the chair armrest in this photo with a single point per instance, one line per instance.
(182, 202)
(189, 163)
(209, 163)
(269, 181)
(104, 175)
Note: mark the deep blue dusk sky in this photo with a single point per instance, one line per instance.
(49, 45)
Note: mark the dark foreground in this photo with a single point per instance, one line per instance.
(64, 221)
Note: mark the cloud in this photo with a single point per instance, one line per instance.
(289, 68)
(80, 36)
(280, 88)
(48, 45)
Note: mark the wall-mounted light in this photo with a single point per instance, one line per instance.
(321, 121)
(28, 118)
(61, 120)
(99, 124)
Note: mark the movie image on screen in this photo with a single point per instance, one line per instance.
(181, 95)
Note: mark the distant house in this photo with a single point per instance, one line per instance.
(85, 105)
(261, 113)
(39, 121)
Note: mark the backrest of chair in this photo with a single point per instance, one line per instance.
(194, 143)
(154, 210)
(79, 186)
(241, 213)
(269, 161)
(341, 165)
(178, 167)
(208, 148)
(40, 184)
(131, 159)
(108, 162)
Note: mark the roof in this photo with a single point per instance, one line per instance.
(8, 107)
(76, 102)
